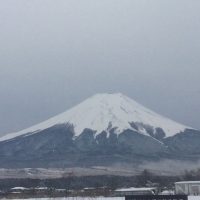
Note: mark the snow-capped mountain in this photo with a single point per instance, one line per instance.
(103, 112)
(104, 130)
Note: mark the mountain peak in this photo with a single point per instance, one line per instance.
(108, 96)
(105, 111)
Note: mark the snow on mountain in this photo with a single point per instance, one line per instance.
(103, 111)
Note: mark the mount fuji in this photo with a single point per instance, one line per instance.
(102, 112)
(104, 129)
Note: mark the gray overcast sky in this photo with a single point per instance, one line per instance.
(54, 54)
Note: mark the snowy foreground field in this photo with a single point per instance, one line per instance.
(96, 198)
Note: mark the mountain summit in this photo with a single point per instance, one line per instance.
(103, 112)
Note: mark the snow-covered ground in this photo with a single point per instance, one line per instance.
(78, 198)
(97, 198)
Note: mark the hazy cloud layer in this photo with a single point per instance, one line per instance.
(54, 54)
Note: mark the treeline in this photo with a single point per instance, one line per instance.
(146, 178)
(192, 175)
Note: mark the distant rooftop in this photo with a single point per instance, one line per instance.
(19, 188)
(133, 189)
(184, 182)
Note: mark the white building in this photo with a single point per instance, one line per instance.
(187, 187)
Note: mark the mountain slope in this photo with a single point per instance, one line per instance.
(103, 112)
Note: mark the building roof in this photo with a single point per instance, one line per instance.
(133, 189)
(41, 188)
(188, 182)
(89, 188)
(19, 188)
